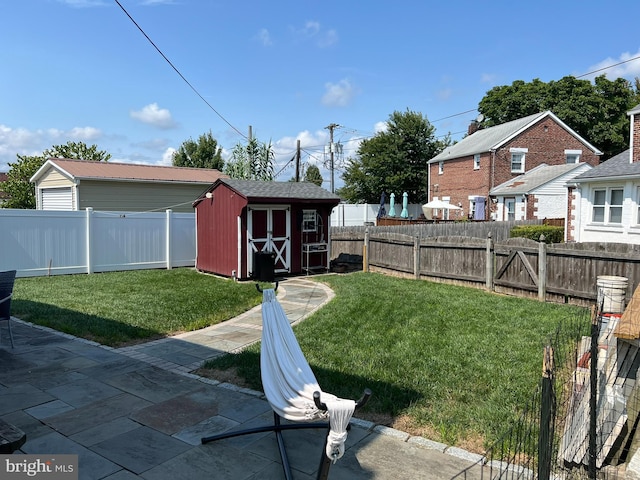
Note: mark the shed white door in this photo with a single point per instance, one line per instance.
(57, 199)
(269, 230)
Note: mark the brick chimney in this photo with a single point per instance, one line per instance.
(635, 134)
(474, 126)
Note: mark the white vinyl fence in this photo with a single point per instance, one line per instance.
(39, 243)
(358, 214)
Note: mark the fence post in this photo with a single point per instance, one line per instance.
(365, 252)
(490, 261)
(547, 410)
(89, 239)
(593, 392)
(542, 269)
(168, 226)
(416, 257)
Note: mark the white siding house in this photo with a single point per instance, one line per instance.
(605, 201)
(537, 194)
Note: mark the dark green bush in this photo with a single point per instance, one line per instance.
(551, 234)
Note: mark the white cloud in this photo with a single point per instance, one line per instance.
(167, 157)
(338, 94)
(265, 37)
(312, 30)
(20, 141)
(445, 93)
(380, 127)
(488, 78)
(629, 69)
(153, 115)
(85, 134)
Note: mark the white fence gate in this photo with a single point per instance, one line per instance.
(39, 242)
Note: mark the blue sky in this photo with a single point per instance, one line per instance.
(80, 70)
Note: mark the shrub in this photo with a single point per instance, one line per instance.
(533, 232)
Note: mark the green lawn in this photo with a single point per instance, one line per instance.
(120, 308)
(448, 362)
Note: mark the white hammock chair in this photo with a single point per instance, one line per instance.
(293, 392)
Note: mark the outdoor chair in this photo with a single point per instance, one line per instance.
(293, 391)
(7, 279)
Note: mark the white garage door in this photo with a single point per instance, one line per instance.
(57, 199)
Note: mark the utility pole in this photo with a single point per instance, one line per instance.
(298, 162)
(331, 127)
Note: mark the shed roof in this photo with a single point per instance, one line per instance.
(261, 191)
(492, 138)
(535, 178)
(84, 169)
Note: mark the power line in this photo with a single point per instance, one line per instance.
(178, 71)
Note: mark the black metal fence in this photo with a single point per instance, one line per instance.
(581, 421)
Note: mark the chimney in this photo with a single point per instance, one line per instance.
(474, 126)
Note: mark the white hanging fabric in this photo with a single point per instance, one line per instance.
(289, 382)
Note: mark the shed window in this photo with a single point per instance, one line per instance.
(440, 167)
(309, 220)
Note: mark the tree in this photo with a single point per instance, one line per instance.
(205, 153)
(393, 161)
(253, 161)
(596, 111)
(77, 150)
(313, 175)
(18, 188)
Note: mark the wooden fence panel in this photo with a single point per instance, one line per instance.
(454, 258)
(573, 268)
(391, 250)
(516, 265)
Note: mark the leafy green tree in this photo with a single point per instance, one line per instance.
(205, 153)
(596, 111)
(253, 161)
(393, 161)
(77, 150)
(18, 188)
(313, 175)
(19, 191)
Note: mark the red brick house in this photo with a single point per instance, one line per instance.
(465, 173)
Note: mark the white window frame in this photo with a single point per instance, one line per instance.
(309, 219)
(476, 161)
(607, 209)
(572, 156)
(440, 167)
(637, 205)
(520, 153)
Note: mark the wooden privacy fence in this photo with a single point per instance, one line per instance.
(564, 273)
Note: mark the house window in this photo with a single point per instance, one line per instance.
(440, 167)
(572, 156)
(308, 220)
(476, 161)
(517, 159)
(638, 207)
(607, 205)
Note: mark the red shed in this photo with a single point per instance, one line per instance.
(242, 223)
